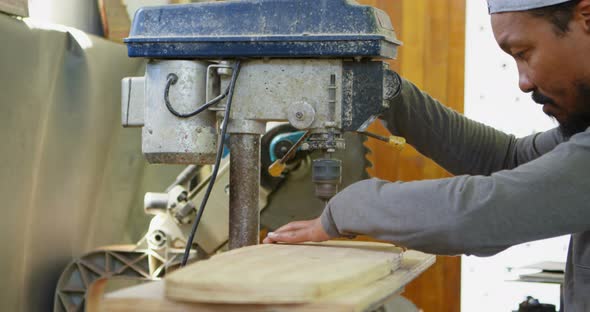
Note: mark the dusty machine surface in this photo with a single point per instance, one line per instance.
(218, 74)
(313, 64)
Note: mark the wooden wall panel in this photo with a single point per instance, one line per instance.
(432, 57)
(16, 7)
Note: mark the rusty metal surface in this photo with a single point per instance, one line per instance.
(71, 178)
(244, 216)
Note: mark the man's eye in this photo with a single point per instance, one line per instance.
(520, 55)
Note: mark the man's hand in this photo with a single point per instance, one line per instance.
(298, 232)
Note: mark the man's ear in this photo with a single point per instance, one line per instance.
(583, 14)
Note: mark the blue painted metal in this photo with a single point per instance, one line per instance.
(292, 137)
(262, 28)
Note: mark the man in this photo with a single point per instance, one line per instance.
(506, 190)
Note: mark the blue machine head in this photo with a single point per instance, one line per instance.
(263, 29)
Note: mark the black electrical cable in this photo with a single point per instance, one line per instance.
(171, 80)
(232, 85)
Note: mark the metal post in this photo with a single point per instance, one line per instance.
(244, 182)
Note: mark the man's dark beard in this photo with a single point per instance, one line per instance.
(576, 121)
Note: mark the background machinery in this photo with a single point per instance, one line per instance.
(286, 86)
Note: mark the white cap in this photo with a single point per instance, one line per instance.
(498, 6)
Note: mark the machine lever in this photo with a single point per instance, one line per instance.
(277, 168)
(395, 142)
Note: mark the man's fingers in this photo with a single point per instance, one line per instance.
(298, 232)
(293, 236)
(292, 226)
(268, 240)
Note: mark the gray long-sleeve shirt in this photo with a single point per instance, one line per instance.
(506, 191)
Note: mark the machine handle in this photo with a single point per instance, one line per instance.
(276, 169)
(393, 141)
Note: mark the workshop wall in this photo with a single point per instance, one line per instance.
(16, 7)
(492, 96)
(432, 57)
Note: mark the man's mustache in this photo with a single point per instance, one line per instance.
(541, 98)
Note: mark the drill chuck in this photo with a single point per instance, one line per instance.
(327, 176)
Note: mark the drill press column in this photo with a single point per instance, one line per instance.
(244, 181)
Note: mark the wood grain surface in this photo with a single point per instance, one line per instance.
(150, 297)
(283, 273)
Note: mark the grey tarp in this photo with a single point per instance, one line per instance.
(71, 178)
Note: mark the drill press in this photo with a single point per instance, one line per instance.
(316, 64)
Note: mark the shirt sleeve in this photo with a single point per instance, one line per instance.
(479, 215)
(517, 190)
(458, 144)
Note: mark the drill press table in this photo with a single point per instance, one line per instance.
(154, 296)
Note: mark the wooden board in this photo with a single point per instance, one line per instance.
(115, 20)
(282, 273)
(150, 297)
(16, 7)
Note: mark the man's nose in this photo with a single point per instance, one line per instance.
(524, 82)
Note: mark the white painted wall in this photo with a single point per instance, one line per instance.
(80, 14)
(492, 96)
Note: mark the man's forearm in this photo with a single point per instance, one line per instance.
(472, 214)
(460, 145)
